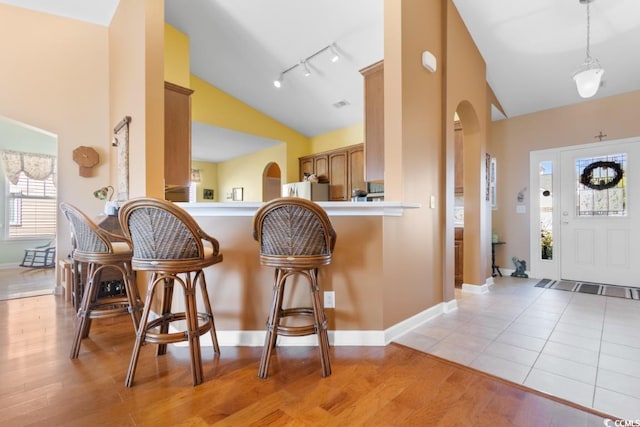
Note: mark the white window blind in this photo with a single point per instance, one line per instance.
(31, 208)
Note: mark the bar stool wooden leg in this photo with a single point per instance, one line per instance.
(320, 324)
(167, 299)
(142, 330)
(272, 323)
(83, 325)
(133, 296)
(207, 304)
(191, 314)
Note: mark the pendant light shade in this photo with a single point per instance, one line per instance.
(589, 75)
(588, 81)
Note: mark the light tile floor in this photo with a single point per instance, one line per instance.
(579, 347)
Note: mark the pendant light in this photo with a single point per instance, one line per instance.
(590, 73)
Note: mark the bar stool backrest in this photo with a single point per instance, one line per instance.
(161, 230)
(86, 235)
(293, 232)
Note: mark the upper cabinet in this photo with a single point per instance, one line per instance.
(342, 168)
(374, 122)
(177, 142)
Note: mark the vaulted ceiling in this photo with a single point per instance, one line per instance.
(531, 49)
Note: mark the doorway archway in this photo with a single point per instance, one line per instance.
(476, 220)
(271, 182)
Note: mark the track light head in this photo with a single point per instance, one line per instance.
(278, 82)
(334, 53)
(306, 70)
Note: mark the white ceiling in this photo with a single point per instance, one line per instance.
(240, 46)
(95, 11)
(532, 48)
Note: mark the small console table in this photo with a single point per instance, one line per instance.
(495, 270)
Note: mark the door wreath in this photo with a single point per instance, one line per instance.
(588, 180)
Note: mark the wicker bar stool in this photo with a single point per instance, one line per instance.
(296, 237)
(98, 250)
(168, 243)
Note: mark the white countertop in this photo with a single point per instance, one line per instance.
(332, 208)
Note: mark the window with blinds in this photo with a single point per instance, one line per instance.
(31, 208)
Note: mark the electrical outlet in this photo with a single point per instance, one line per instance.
(330, 299)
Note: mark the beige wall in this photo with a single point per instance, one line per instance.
(77, 80)
(419, 109)
(136, 62)
(241, 290)
(466, 94)
(56, 78)
(412, 251)
(513, 139)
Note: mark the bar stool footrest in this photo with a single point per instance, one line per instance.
(173, 337)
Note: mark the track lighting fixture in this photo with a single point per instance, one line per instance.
(305, 66)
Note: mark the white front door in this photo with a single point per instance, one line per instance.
(599, 218)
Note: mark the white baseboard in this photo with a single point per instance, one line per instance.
(475, 289)
(336, 338)
(450, 306)
(406, 325)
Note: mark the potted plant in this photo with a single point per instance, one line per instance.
(546, 240)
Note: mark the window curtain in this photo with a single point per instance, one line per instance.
(34, 165)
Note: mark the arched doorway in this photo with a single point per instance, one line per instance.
(271, 182)
(468, 217)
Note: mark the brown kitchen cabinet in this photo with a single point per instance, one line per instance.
(374, 122)
(458, 256)
(342, 168)
(458, 163)
(317, 165)
(177, 142)
(356, 169)
(306, 167)
(338, 176)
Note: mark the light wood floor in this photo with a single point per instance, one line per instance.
(21, 282)
(387, 386)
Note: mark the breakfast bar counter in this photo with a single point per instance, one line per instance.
(332, 208)
(240, 288)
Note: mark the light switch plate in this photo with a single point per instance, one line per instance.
(329, 299)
